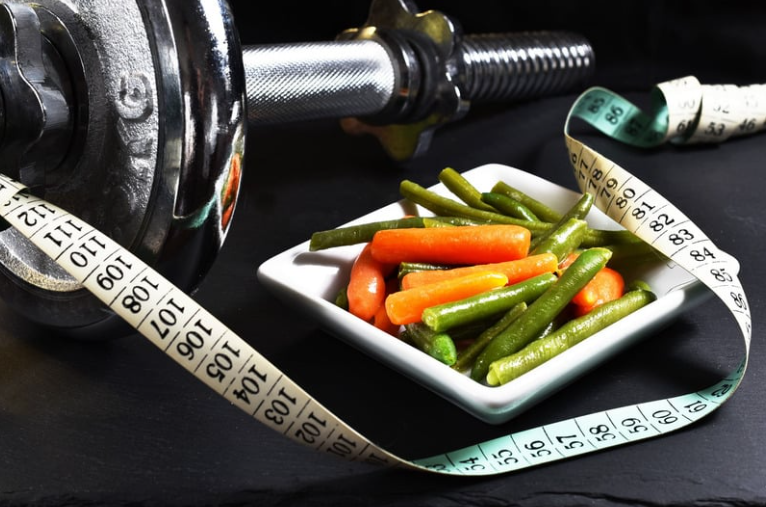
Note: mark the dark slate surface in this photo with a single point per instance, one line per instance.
(117, 423)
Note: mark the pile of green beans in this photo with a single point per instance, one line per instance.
(499, 335)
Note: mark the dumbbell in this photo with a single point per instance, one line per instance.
(132, 115)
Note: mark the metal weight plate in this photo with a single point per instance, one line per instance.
(157, 106)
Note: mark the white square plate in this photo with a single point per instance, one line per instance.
(311, 280)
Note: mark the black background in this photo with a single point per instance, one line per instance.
(637, 43)
(117, 423)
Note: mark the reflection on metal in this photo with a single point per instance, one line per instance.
(156, 117)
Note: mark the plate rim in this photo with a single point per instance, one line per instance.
(494, 405)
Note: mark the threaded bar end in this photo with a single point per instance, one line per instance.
(501, 67)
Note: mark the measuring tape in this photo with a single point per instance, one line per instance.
(199, 342)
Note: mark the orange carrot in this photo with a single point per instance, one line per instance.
(568, 260)
(367, 286)
(473, 244)
(606, 286)
(380, 319)
(516, 271)
(406, 306)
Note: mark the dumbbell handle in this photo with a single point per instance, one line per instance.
(295, 82)
(359, 78)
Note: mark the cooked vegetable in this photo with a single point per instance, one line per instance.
(458, 313)
(467, 356)
(358, 233)
(479, 244)
(363, 233)
(564, 240)
(545, 213)
(406, 268)
(468, 333)
(578, 211)
(633, 254)
(502, 276)
(341, 298)
(508, 206)
(445, 206)
(606, 286)
(437, 345)
(548, 217)
(516, 271)
(380, 320)
(367, 285)
(463, 189)
(599, 237)
(542, 310)
(537, 352)
(406, 306)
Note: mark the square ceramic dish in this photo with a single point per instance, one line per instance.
(311, 280)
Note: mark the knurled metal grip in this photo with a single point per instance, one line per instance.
(132, 115)
(307, 81)
(404, 73)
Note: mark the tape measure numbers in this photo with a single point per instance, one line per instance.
(199, 342)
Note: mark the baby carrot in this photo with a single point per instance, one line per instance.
(380, 319)
(367, 286)
(473, 244)
(516, 271)
(406, 306)
(607, 285)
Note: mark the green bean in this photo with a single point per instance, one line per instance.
(579, 210)
(628, 255)
(412, 267)
(437, 345)
(445, 206)
(508, 206)
(637, 285)
(466, 357)
(362, 233)
(463, 189)
(600, 237)
(341, 298)
(433, 222)
(542, 310)
(449, 315)
(573, 332)
(545, 213)
(554, 325)
(404, 335)
(564, 240)
(442, 221)
(470, 331)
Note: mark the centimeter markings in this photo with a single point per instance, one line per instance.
(641, 210)
(685, 112)
(181, 328)
(225, 362)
